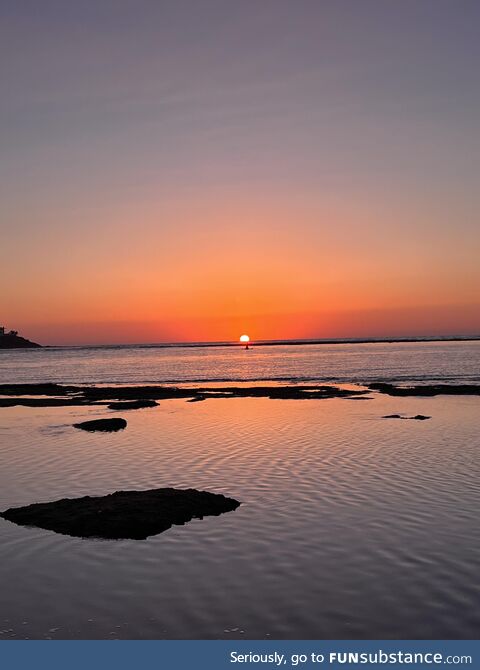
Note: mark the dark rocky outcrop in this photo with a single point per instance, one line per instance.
(417, 417)
(138, 396)
(46, 388)
(427, 390)
(132, 404)
(103, 425)
(132, 515)
(14, 341)
(40, 402)
(69, 395)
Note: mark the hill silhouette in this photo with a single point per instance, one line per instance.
(14, 341)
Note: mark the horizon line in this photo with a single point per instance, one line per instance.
(293, 341)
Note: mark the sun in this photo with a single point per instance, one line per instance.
(245, 339)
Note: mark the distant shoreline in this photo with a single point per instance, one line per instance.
(268, 343)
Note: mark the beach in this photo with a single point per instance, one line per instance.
(351, 525)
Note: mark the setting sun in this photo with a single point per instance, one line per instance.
(245, 339)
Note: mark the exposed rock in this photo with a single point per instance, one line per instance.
(53, 395)
(359, 397)
(42, 402)
(13, 341)
(427, 390)
(104, 425)
(69, 395)
(132, 515)
(48, 388)
(417, 417)
(133, 404)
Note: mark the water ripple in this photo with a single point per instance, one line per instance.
(350, 526)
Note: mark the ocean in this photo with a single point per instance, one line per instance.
(350, 525)
(346, 362)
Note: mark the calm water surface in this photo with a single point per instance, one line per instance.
(339, 362)
(350, 525)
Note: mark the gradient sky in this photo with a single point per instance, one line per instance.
(191, 170)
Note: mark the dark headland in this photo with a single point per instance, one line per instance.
(12, 340)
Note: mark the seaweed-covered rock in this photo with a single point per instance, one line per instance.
(133, 404)
(104, 425)
(417, 417)
(139, 396)
(132, 515)
(426, 390)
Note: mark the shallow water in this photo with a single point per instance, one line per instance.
(351, 526)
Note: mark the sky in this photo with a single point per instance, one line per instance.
(190, 170)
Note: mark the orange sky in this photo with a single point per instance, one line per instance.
(296, 174)
(243, 267)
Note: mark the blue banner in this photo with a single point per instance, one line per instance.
(238, 655)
